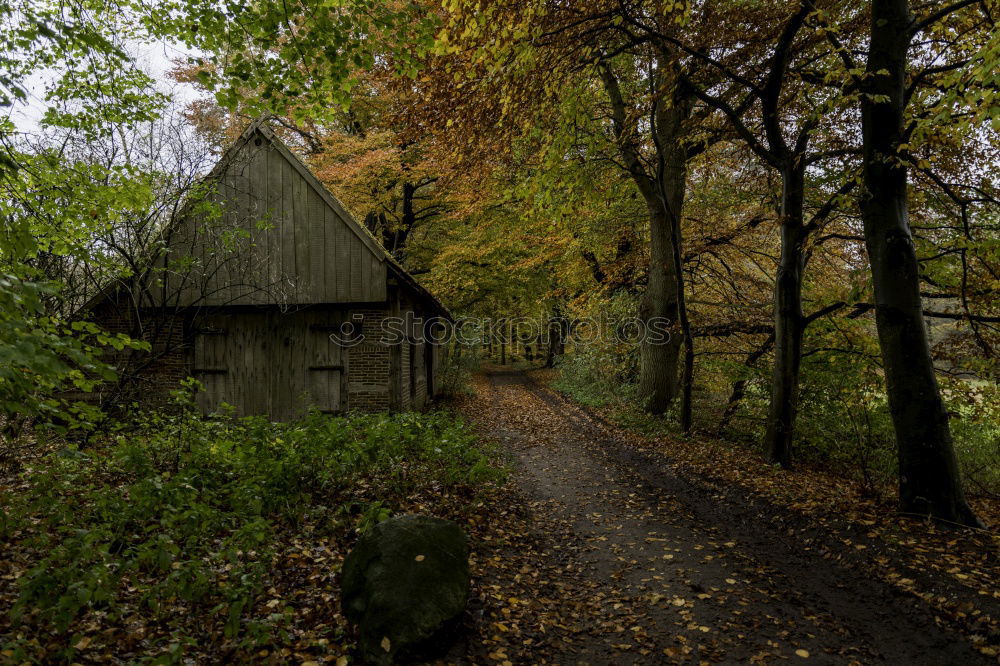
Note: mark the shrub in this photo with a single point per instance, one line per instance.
(177, 510)
(603, 364)
(457, 366)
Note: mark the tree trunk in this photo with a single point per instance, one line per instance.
(407, 220)
(788, 320)
(673, 177)
(740, 385)
(556, 344)
(660, 347)
(929, 481)
(503, 343)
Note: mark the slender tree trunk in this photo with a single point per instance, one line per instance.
(788, 320)
(740, 385)
(489, 339)
(929, 481)
(673, 184)
(503, 343)
(556, 344)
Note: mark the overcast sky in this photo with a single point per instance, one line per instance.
(156, 59)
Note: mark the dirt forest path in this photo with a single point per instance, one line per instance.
(633, 564)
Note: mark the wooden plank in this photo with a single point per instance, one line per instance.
(302, 244)
(270, 346)
(357, 272)
(318, 250)
(246, 392)
(377, 289)
(237, 204)
(344, 249)
(222, 272)
(272, 179)
(336, 383)
(280, 360)
(287, 199)
(344, 357)
(227, 388)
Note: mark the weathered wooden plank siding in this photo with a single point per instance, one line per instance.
(296, 248)
(271, 363)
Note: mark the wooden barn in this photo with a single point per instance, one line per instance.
(267, 291)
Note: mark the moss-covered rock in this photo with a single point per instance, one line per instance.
(405, 580)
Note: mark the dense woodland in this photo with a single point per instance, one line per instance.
(805, 192)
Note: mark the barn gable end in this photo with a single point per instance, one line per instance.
(252, 294)
(268, 232)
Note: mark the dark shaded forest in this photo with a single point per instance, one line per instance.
(740, 259)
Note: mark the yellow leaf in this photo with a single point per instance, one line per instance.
(386, 643)
(802, 653)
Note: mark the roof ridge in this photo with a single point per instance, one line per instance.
(361, 230)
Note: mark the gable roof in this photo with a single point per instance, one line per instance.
(330, 269)
(262, 125)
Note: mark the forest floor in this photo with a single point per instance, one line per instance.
(616, 548)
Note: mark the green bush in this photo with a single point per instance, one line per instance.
(844, 419)
(602, 367)
(42, 356)
(180, 509)
(457, 366)
(976, 432)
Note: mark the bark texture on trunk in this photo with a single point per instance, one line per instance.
(671, 116)
(788, 320)
(929, 481)
(658, 357)
(664, 195)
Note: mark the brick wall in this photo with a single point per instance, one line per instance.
(146, 377)
(368, 364)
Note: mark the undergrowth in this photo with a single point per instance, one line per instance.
(844, 423)
(180, 511)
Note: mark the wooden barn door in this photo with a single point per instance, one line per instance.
(233, 361)
(327, 368)
(211, 365)
(271, 363)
